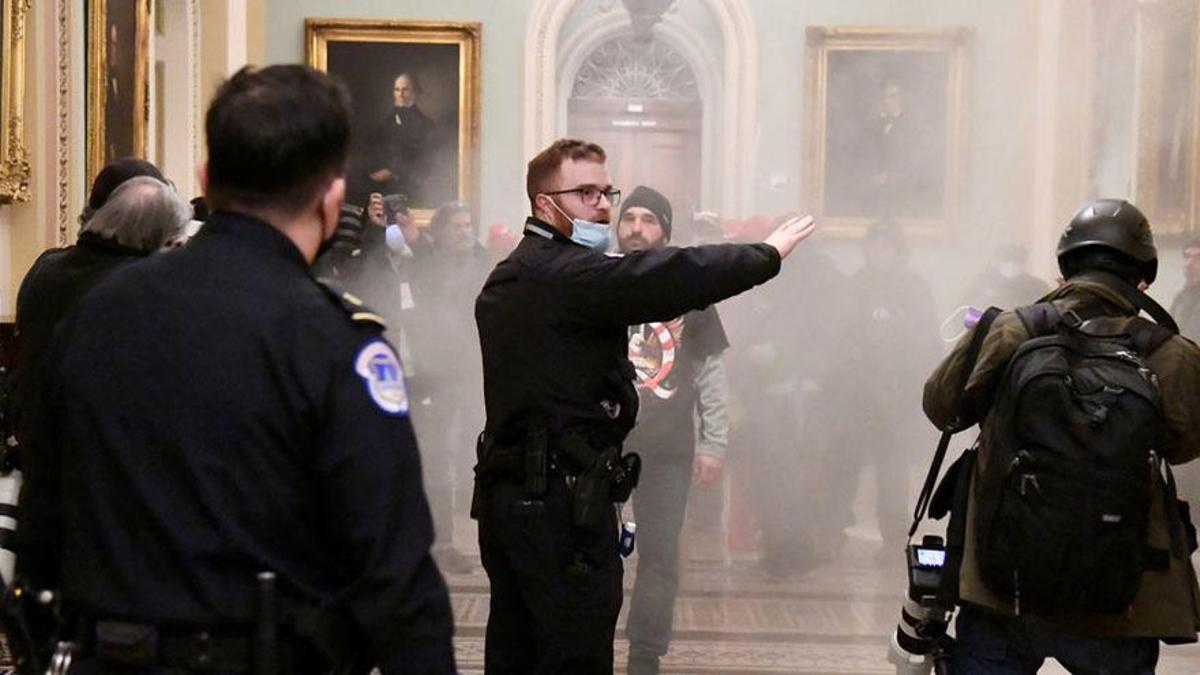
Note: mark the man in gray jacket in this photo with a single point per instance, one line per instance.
(680, 372)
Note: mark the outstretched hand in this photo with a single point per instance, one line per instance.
(792, 232)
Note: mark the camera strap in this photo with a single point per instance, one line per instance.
(954, 424)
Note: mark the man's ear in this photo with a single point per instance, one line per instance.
(202, 174)
(331, 204)
(545, 207)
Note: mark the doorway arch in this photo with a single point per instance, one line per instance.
(732, 77)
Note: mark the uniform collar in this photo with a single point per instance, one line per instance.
(252, 231)
(535, 226)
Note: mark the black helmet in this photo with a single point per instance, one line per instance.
(1114, 224)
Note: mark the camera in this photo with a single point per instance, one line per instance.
(920, 643)
(394, 205)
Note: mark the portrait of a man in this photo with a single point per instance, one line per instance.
(400, 151)
(886, 134)
(887, 140)
(414, 117)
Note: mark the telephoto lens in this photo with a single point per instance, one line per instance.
(919, 643)
(910, 650)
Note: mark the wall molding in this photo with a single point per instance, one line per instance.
(63, 101)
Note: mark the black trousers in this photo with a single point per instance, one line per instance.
(659, 504)
(555, 589)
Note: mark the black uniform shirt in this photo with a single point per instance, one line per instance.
(553, 320)
(217, 413)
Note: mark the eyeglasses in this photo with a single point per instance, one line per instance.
(590, 195)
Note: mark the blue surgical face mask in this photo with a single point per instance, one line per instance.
(595, 236)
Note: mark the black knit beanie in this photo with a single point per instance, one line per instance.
(652, 200)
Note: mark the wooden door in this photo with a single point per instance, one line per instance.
(656, 144)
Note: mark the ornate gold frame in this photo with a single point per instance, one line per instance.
(14, 156)
(823, 40)
(97, 60)
(1153, 20)
(318, 33)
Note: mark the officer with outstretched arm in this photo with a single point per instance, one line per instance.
(558, 386)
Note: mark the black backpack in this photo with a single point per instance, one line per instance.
(1062, 504)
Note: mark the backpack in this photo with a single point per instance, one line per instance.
(1062, 503)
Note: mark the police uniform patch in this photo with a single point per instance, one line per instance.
(380, 369)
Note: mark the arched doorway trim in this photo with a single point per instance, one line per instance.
(705, 66)
(736, 103)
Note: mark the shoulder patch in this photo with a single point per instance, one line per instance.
(380, 370)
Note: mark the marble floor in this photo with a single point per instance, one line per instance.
(731, 618)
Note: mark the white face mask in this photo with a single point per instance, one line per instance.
(1009, 270)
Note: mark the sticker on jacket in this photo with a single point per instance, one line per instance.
(380, 369)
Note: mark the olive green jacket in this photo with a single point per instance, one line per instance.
(1167, 603)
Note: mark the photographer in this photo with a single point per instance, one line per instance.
(1071, 549)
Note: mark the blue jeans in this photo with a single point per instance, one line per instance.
(987, 644)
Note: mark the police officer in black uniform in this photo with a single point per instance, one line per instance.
(213, 413)
(558, 387)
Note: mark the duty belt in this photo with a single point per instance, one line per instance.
(141, 645)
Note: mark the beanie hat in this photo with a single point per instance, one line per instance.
(653, 201)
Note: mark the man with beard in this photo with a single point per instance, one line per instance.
(446, 275)
(680, 372)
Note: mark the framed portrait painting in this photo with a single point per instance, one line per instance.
(414, 88)
(886, 126)
(14, 157)
(1167, 72)
(118, 61)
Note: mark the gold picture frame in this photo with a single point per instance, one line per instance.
(117, 81)
(874, 149)
(1168, 115)
(369, 56)
(14, 156)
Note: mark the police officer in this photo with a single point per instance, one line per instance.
(218, 414)
(558, 387)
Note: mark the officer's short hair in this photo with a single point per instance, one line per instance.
(276, 136)
(143, 213)
(546, 164)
